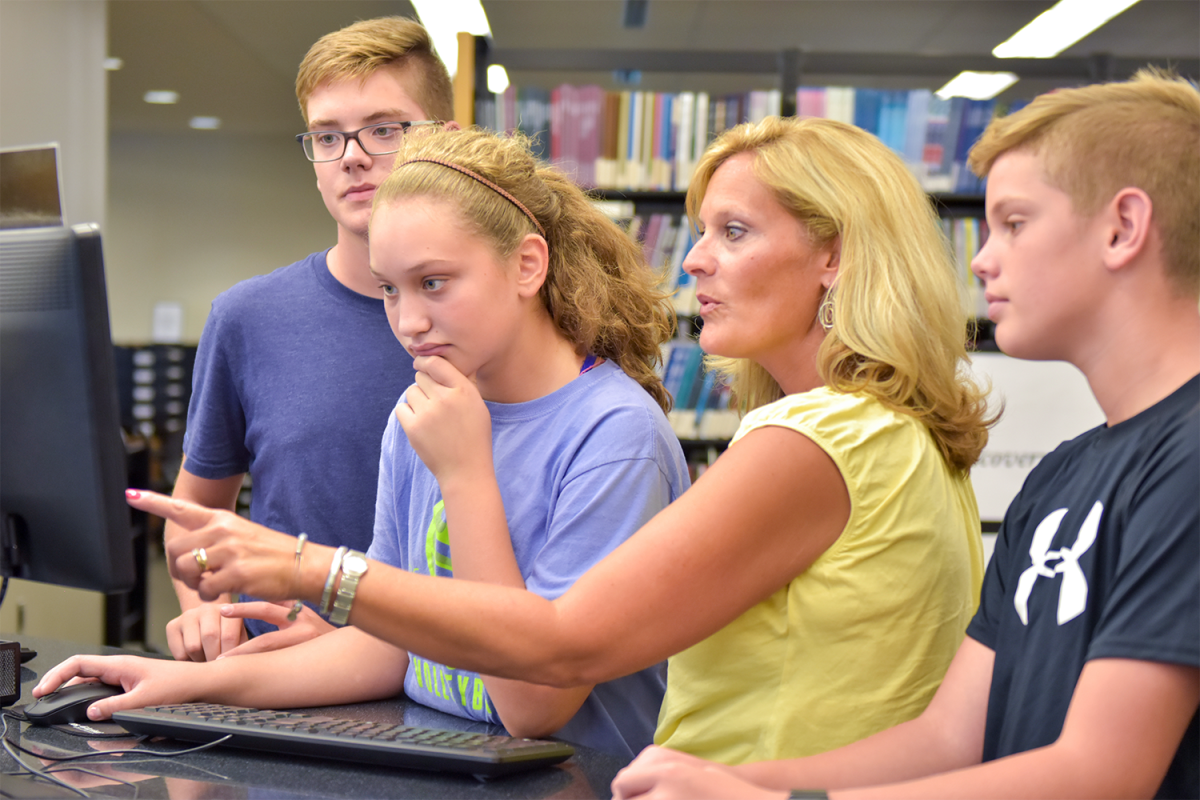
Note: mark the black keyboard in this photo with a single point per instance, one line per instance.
(307, 734)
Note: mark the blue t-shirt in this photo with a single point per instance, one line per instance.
(1098, 557)
(579, 470)
(294, 378)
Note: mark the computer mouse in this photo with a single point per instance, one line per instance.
(68, 703)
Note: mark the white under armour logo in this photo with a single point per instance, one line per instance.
(1073, 591)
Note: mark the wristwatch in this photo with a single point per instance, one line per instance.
(354, 565)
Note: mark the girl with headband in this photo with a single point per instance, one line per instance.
(533, 442)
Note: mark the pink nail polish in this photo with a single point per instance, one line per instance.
(132, 494)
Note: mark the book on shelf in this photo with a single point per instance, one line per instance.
(639, 140)
(666, 240)
(701, 402)
(651, 141)
(965, 236)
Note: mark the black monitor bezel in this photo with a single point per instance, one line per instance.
(63, 516)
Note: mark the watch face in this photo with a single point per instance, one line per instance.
(354, 565)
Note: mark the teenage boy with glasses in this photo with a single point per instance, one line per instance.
(298, 370)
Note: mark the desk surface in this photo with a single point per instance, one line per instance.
(229, 773)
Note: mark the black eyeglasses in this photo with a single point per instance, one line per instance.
(381, 139)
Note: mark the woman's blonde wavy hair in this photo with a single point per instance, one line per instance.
(900, 326)
(598, 289)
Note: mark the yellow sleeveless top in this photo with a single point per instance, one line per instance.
(859, 641)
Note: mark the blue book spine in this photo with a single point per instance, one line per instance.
(677, 363)
(692, 369)
(704, 398)
(916, 120)
(866, 109)
(976, 116)
(953, 131)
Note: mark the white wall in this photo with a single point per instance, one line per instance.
(191, 215)
(1045, 403)
(53, 89)
(182, 216)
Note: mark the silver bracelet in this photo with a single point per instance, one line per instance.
(299, 604)
(354, 566)
(338, 555)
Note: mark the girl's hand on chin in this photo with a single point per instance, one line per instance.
(446, 421)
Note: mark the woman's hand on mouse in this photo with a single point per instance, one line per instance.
(444, 401)
(145, 681)
(221, 552)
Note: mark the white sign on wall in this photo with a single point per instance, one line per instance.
(1045, 403)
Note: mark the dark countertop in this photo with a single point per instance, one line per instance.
(231, 773)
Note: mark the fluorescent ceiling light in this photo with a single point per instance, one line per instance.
(977, 85)
(1059, 27)
(113, 64)
(497, 77)
(204, 123)
(445, 19)
(161, 97)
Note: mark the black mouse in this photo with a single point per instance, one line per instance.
(68, 703)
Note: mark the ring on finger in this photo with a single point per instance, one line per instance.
(201, 558)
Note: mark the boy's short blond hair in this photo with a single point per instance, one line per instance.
(1095, 140)
(359, 50)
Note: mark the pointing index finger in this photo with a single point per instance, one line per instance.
(182, 512)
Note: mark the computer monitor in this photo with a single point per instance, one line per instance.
(63, 517)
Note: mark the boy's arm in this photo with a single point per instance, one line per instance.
(1122, 730)
(948, 735)
(200, 633)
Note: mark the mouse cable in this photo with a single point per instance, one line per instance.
(26, 768)
(9, 746)
(115, 753)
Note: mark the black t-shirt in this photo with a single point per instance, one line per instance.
(1098, 557)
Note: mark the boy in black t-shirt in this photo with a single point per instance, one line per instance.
(1080, 674)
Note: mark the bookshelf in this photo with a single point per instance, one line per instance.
(793, 67)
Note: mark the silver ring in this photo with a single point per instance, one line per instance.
(201, 558)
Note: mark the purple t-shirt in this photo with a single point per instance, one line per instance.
(294, 380)
(580, 470)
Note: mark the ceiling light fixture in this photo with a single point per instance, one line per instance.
(1059, 27)
(205, 123)
(977, 85)
(444, 19)
(497, 77)
(161, 97)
